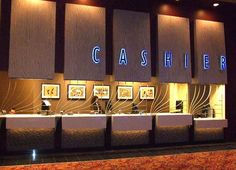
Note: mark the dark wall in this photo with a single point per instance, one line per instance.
(230, 34)
(200, 9)
(192, 10)
(4, 34)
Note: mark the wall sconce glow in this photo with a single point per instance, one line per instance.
(206, 62)
(223, 63)
(123, 57)
(144, 54)
(186, 60)
(216, 4)
(168, 59)
(95, 59)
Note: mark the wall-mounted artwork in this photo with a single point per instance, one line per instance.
(50, 91)
(146, 93)
(76, 91)
(124, 92)
(103, 92)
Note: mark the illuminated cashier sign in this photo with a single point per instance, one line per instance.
(144, 54)
(206, 62)
(223, 63)
(123, 59)
(95, 53)
(168, 59)
(186, 60)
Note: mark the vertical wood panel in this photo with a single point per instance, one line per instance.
(131, 30)
(32, 39)
(174, 35)
(84, 29)
(209, 39)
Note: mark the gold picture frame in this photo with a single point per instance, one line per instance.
(102, 92)
(76, 91)
(50, 91)
(146, 93)
(124, 92)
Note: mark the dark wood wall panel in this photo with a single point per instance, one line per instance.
(209, 38)
(32, 39)
(131, 30)
(0, 14)
(84, 29)
(174, 35)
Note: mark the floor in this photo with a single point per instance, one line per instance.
(39, 158)
(212, 160)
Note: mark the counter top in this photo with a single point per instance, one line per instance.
(84, 115)
(172, 114)
(131, 115)
(26, 115)
(208, 118)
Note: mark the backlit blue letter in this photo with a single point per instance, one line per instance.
(206, 62)
(223, 64)
(144, 58)
(123, 57)
(168, 59)
(96, 49)
(186, 60)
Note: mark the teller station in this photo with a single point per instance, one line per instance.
(100, 102)
(137, 114)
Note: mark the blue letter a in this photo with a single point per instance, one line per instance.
(123, 57)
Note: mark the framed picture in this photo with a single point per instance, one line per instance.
(124, 92)
(103, 92)
(76, 91)
(50, 91)
(146, 93)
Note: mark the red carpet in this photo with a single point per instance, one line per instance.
(219, 160)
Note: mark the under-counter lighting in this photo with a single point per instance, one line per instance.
(216, 4)
(33, 155)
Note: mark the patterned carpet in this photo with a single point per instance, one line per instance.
(218, 160)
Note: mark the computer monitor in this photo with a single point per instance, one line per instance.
(45, 105)
(179, 105)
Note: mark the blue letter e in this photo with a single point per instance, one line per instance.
(206, 62)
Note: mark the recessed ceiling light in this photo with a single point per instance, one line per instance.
(216, 4)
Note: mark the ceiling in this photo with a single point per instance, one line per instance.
(232, 1)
